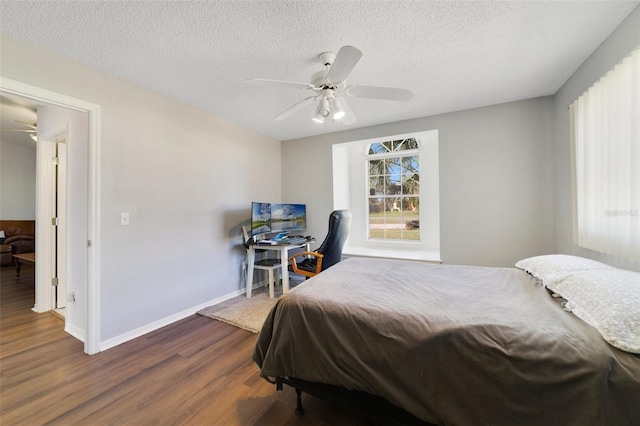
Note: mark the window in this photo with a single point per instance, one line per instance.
(394, 190)
(391, 186)
(605, 134)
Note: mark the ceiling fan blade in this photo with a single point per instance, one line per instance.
(349, 116)
(33, 126)
(278, 83)
(296, 107)
(345, 60)
(19, 130)
(385, 93)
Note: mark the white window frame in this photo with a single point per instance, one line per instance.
(414, 152)
(350, 183)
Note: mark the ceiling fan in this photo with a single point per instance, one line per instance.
(32, 129)
(329, 88)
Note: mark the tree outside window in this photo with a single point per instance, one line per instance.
(394, 190)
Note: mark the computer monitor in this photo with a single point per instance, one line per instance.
(288, 217)
(260, 218)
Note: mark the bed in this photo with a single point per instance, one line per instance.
(456, 345)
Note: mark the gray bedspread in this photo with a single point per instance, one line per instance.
(453, 345)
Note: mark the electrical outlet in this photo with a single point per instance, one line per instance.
(124, 218)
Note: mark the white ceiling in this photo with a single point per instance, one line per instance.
(454, 55)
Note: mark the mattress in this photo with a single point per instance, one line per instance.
(450, 344)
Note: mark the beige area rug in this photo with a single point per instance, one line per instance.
(246, 313)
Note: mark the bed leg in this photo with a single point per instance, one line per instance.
(299, 410)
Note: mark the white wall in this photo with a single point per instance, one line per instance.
(496, 179)
(619, 44)
(17, 181)
(186, 177)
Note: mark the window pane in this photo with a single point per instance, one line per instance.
(410, 143)
(376, 167)
(411, 184)
(410, 164)
(393, 185)
(376, 185)
(392, 165)
(411, 217)
(376, 218)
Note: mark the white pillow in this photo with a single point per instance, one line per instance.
(554, 266)
(606, 299)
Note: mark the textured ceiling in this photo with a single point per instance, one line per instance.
(454, 55)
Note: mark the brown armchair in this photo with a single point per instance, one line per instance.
(6, 256)
(19, 238)
(21, 243)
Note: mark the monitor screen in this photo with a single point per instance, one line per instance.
(288, 217)
(260, 218)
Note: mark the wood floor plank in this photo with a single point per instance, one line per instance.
(196, 371)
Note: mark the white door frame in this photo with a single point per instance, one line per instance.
(51, 240)
(60, 299)
(92, 328)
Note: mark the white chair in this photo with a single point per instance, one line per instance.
(267, 264)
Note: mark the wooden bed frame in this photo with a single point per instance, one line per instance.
(372, 406)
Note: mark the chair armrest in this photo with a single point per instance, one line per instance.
(20, 237)
(294, 265)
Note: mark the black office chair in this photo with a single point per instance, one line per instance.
(330, 251)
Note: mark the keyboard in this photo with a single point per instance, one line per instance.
(289, 240)
(296, 240)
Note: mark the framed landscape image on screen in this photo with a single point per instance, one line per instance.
(260, 218)
(288, 217)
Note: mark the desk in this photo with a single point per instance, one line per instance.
(284, 249)
(23, 257)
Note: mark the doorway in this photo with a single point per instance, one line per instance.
(82, 241)
(22, 173)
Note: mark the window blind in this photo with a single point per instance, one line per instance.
(605, 133)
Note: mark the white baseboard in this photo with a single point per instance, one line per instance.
(140, 331)
(76, 332)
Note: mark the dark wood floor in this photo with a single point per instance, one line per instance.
(196, 371)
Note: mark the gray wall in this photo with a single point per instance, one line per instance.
(619, 44)
(505, 175)
(17, 181)
(496, 179)
(187, 178)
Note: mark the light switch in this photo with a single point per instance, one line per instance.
(124, 219)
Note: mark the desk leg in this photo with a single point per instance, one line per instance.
(18, 266)
(284, 261)
(250, 263)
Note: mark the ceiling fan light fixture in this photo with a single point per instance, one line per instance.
(322, 111)
(337, 110)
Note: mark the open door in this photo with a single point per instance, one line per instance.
(51, 223)
(59, 225)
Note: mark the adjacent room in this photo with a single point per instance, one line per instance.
(320, 212)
